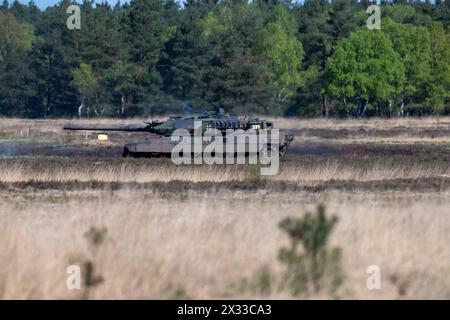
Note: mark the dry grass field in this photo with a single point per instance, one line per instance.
(150, 229)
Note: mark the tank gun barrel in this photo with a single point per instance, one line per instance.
(129, 128)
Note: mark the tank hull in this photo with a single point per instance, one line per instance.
(164, 146)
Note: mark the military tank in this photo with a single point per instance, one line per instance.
(161, 144)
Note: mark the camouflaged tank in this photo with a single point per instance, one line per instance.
(160, 143)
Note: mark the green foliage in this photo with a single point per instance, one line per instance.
(365, 68)
(14, 36)
(439, 86)
(283, 53)
(311, 264)
(84, 80)
(15, 43)
(86, 83)
(262, 282)
(234, 75)
(95, 236)
(180, 294)
(211, 26)
(145, 32)
(315, 31)
(314, 58)
(413, 45)
(400, 13)
(254, 174)
(309, 96)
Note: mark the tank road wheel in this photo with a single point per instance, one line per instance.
(127, 153)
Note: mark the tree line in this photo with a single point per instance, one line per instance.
(146, 57)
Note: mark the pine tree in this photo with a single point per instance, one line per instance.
(144, 31)
(15, 42)
(5, 6)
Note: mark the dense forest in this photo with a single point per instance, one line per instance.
(145, 57)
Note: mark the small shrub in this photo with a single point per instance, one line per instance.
(95, 236)
(254, 174)
(311, 264)
(180, 294)
(262, 282)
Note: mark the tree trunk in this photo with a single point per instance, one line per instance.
(80, 108)
(326, 106)
(363, 113)
(47, 105)
(346, 107)
(122, 105)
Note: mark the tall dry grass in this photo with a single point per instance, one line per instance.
(212, 247)
(153, 170)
